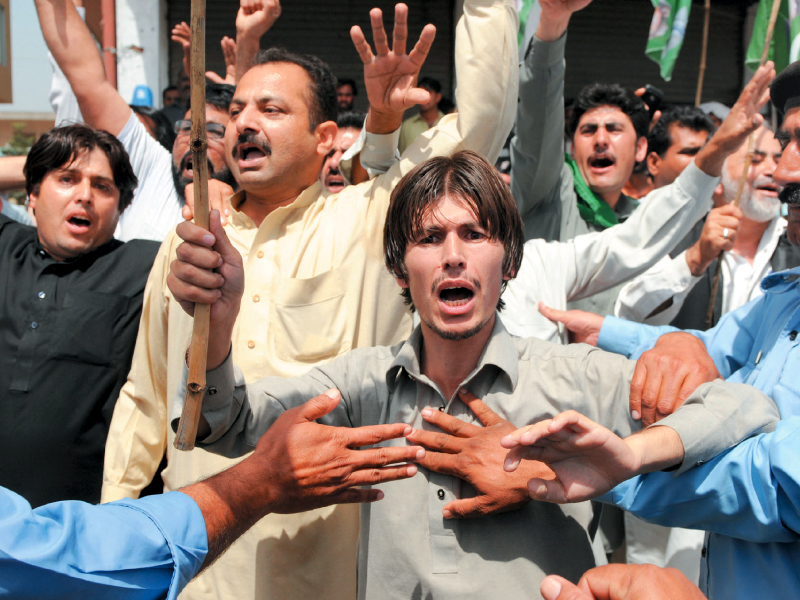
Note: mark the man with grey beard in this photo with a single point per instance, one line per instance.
(677, 290)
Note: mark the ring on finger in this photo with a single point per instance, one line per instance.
(725, 233)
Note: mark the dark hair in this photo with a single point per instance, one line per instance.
(610, 94)
(350, 119)
(165, 133)
(60, 146)
(430, 83)
(350, 82)
(218, 95)
(322, 105)
(659, 139)
(169, 88)
(467, 176)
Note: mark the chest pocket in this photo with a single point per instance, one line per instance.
(86, 327)
(310, 319)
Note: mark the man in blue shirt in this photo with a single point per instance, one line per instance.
(748, 497)
(154, 546)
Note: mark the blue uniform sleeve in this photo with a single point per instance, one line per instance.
(728, 343)
(751, 492)
(148, 548)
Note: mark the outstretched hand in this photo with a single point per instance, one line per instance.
(587, 459)
(312, 465)
(390, 75)
(583, 327)
(182, 34)
(228, 46)
(256, 17)
(473, 453)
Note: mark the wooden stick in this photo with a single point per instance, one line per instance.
(198, 351)
(703, 54)
(773, 17)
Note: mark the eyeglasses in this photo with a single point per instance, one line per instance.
(215, 130)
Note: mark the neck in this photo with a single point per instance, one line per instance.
(430, 115)
(448, 362)
(259, 205)
(611, 198)
(750, 234)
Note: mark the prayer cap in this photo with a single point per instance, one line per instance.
(785, 88)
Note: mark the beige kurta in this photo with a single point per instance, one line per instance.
(316, 287)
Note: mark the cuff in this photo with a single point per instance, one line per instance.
(696, 184)
(618, 335)
(378, 152)
(181, 522)
(544, 55)
(112, 493)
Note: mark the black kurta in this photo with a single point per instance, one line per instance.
(67, 333)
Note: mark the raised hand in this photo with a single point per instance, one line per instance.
(182, 34)
(588, 459)
(228, 46)
(474, 454)
(584, 327)
(743, 120)
(390, 75)
(719, 235)
(256, 17)
(555, 17)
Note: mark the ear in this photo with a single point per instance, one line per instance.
(641, 149)
(32, 197)
(326, 136)
(653, 163)
(401, 282)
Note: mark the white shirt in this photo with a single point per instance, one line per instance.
(558, 272)
(671, 278)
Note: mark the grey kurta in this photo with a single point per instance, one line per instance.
(407, 549)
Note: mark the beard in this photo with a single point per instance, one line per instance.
(754, 206)
(458, 335)
(224, 175)
(790, 194)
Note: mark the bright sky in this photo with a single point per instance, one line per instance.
(30, 69)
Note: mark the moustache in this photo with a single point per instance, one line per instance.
(253, 139)
(442, 278)
(790, 194)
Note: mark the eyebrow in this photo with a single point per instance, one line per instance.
(690, 150)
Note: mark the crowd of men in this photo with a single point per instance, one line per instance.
(396, 405)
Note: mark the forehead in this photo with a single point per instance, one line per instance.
(344, 88)
(347, 135)
(213, 115)
(680, 135)
(765, 142)
(89, 162)
(602, 115)
(287, 81)
(449, 210)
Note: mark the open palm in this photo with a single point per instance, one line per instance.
(390, 75)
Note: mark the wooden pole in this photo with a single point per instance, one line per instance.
(698, 97)
(773, 17)
(198, 351)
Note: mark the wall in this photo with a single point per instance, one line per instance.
(142, 47)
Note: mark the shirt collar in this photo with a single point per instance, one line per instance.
(500, 352)
(783, 281)
(109, 246)
(308, 195)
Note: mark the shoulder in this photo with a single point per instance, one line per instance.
(578, 356)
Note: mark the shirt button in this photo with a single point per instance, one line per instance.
(41, 295)
(793, 335)
(42, 253)
(211, 391)
(260, 254)
(441, 409)
(256, 298)
(703, 552)
(440, 493)
(251, 344)
(34, 325)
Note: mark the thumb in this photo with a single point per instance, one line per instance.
(553, 314)
(466, 508)
(557, 588)
(319, 406)
(417, 96)
(222, 244)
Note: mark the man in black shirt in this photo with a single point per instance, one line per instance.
(70, 299)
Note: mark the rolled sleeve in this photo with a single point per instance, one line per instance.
(627, 338)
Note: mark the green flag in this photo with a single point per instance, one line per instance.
(524, 10)
(666, 33)
(785, 45)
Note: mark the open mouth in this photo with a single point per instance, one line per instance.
(769, 189)
(249, 154)
(334, 181)
(78, 224)
(457, 296)
(601, 161)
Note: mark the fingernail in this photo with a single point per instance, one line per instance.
(510, 464)
(412, 470)
(407, 431)
(550, 588)
(447, 514)
(208, 239)
(222, 280)
(426, 412)
(635, 414)
(380, 495)
(462, 391)
(421, 453)
(219, 293)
